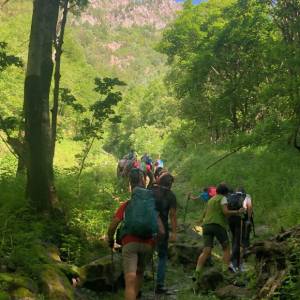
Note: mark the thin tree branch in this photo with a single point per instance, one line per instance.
(225, 156)
(59, 40)
(9, 147)
(4, 3)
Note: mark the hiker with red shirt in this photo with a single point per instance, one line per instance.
(140, 227)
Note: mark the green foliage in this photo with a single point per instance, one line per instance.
(8, 123)
(21, 231)
(68, 99)
(101, 109)
(233, 80)
(234, 68)
(267, 173)
(8, 60)
(71, 248)
(148, 115)
(290, 287)
(148, 139)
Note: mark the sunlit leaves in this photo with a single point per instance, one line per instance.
(106, 85)
(7, 60)
(102, 109)
(9, 123)
(230, 68)
(68, 99)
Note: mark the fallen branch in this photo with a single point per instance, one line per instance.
(225, 156)
(239, 148)
(272, 285)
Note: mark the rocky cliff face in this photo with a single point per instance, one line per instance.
(119, 36)
(129, 13)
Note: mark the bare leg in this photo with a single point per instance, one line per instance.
(130, 286)
(206, 252)
(226, 255)
(139, 281)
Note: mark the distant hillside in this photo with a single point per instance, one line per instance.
(119, 37)
(129, 13)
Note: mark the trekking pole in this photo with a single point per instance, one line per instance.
(253, 226)
(186, 208)
(240, 243)
(113, 269)
(153, 274)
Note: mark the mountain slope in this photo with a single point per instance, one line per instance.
(119, 36)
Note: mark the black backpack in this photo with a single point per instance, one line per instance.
(235, 200)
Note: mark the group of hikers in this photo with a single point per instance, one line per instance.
(226, 208)
(141, 226)
(146, 164)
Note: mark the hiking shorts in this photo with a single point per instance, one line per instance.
(136, 256)
(214, 230)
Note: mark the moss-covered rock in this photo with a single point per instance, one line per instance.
(104, 273)
(55, 285)
(188, 246)
(22, 294)
(71, 271)
(12, 281)
(210, 280)
(231, 292)
(4, 295)
(53, 253)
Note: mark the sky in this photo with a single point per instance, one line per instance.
(194, 1)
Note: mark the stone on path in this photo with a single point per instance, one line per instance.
(232, 292)
(104, 274)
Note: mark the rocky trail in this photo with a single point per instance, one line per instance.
(272, 272)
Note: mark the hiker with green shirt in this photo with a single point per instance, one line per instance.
(214, 224)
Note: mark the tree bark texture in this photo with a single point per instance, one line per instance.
(36, 99)
(58, 52)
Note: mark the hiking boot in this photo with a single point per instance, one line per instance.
(162, 290)
(232, 268)
(243, 268)
(197, 275)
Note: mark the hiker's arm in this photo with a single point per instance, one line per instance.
(161, 228)
(111, 230)
(190, 196)
(249, 209)
(229, 213)
(249, 212)
(173, 219)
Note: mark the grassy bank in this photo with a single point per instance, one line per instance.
(269, 174)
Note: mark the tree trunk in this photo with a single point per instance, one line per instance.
(22, 160)
(36, 98)
(58, 52)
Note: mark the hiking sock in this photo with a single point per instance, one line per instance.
(197, 274)
(163, 290)
(139, 295)
(199, 269)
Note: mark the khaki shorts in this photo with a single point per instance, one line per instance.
(136, 256)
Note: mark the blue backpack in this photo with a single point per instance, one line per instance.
(140, 218)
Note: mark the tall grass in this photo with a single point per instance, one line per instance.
(269, 174)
